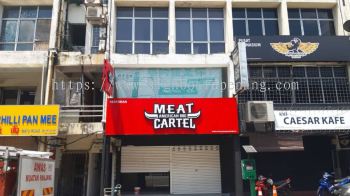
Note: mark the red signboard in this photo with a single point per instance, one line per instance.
(146, 116)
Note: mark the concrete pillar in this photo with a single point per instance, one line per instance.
(113, 26)
(172, 28)
(92, 177)
(229, 40)
(341, 13)
(283, 21)
(88, 38)
(347, 13)
(54, 23)
(1, 11)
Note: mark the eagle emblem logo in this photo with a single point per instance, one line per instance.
(295, 49)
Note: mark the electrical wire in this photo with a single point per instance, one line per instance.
(65, 144)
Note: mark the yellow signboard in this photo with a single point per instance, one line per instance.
(29, 120)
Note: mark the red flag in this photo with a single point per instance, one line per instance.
(107, 78)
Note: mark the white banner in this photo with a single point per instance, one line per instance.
(312, 120)
(36, 177)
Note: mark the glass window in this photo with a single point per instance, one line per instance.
(199, 31)
(11, 12)
(24, 27)
(183, 30)
(255, 27)
(311, 22)
(95, 39)
(17, 97)
(239, 28)
(255, 21)
(310, 27)
(254, 13)
(43, 30)
(9, 97)
(142, 30)
(271, 27)
(294, 27)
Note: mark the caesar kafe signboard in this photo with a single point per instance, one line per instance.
(312, 120)
(296, 48)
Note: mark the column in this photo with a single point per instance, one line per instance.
(283, 21)
(172, 27)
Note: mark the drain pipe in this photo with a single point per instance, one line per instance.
(52, 54)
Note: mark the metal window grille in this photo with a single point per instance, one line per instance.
(298, 85)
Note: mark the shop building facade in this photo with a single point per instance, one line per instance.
(167, 49)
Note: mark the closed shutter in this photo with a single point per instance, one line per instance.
(140, 159)
(195, 169)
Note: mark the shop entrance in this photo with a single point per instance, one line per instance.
(171, 169)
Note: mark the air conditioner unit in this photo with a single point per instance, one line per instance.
(94, 15)
(92, 2)
(259, 111)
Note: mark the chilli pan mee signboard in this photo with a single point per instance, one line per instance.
(148, 116)
(29, 120)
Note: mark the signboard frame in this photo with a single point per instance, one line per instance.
(29, 120)
(40, 187)
(172, 116)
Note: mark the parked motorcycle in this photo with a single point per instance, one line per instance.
(329, 186)
(283, 187)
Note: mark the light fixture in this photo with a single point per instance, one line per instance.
(347, 26)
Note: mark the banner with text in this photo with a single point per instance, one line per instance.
(143, 116)
(36, 177)
(312, 120)
(29, 120)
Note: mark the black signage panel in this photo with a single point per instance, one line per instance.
(297, 48)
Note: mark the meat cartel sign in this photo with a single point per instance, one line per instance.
(36, 176)
(312, 120)
(139, 116)
(167, 116)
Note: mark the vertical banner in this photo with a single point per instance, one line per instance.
(240, 64)
(107, 78)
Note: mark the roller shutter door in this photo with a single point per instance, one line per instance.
(195, 169)
(140, 159)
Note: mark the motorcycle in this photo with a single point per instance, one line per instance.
(329, 186)
(283, 187)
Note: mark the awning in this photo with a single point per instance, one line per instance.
(276, 143)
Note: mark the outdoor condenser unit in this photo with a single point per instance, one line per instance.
(259, 111)
(94, 15)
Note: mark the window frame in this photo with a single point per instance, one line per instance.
(317, 19)
(18, 21)
(246, 20)
(19, 92)
(133, 41)
(207, 20)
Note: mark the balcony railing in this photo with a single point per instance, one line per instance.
(81, 113)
